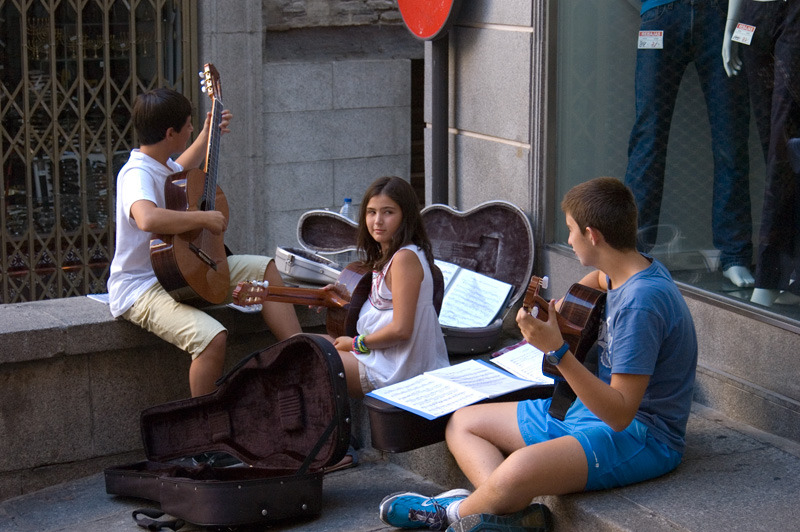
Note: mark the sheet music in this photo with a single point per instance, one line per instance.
(448, 271)
(524, 361)
(472, 300)
(442, 391)
(481, 376)
(428, 396)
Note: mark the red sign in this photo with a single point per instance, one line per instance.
(427, 19)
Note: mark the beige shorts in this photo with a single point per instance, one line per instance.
(185, 326)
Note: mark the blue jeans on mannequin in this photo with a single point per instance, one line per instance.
(693, 32)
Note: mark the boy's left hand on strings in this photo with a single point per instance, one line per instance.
(544, 335)
(225, 120)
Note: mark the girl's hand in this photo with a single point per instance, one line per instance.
(338, 288)
(343, 343)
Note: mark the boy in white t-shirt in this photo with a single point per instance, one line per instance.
(162, 119)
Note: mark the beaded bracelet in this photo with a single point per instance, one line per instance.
(359, 346)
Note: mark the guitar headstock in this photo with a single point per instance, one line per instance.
(210, 82)
(249, 293)
(532, 292)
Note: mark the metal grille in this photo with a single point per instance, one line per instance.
(69, 73)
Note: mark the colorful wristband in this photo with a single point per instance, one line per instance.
(359, 346)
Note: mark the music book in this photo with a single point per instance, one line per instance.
(443, 391)
(471, 299)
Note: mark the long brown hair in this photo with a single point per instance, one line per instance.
(411, 230)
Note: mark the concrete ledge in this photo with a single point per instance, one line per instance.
(73, 381)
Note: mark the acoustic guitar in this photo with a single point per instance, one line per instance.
(193, 266)
(578, 318)
(342, 311)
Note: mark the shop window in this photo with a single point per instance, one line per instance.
(69, 72)
(598, 46)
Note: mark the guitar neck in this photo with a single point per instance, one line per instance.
(304, 296)
(212, 155)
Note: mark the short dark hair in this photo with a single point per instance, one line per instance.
(411, 230)
(157, 110)
(605, 204)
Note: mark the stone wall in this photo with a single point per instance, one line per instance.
(290, 14)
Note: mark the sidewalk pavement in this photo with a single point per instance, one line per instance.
(732, 478)
(350, 503)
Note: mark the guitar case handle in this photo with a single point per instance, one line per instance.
(149, 518)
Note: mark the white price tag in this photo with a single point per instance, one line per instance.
(653, 40)
(743, 33)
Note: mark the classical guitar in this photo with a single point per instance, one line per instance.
(578, 318)
(342, 310)
(193, 266)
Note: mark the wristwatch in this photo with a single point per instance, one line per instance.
(554, 357)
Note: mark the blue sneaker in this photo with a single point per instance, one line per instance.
(534, 518)
(406, 509)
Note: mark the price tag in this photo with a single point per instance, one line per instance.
(743, 33)
(653, 40)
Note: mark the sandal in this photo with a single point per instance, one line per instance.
(350, 460)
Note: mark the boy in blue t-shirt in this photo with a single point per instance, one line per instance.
(628, 422)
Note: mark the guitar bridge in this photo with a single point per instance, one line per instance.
(203, 256)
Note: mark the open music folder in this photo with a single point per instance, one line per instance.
(470, 299)
(443, 391)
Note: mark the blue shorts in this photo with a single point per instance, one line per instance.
(615, 458)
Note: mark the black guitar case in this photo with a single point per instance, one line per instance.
(282, 411)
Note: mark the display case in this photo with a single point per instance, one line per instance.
(69, 73)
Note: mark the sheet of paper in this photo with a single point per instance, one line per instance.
(481, 376)
(448, 270)
(524, 361)
(428, 396)
(472, 300)
(102, 298)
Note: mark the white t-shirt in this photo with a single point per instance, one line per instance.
(142, 178)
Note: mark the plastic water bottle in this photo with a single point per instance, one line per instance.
(347, 208)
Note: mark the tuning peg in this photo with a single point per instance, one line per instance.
(201, 74)
(545, 282)
(202, 88)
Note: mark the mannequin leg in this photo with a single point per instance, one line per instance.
(729, 117)
(658, 78)
(764, 296)
(740, 276)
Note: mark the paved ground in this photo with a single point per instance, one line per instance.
(350, 503)
(733, 478)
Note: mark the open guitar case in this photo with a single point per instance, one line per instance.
(282, 411)
(495, 239)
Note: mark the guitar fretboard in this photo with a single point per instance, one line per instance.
(212, 155)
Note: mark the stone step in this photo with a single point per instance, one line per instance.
(733, 477)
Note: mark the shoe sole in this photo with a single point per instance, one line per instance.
(535, 518)
(384, 508)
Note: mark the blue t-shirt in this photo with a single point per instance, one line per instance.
(650, 4)
(648, 330)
